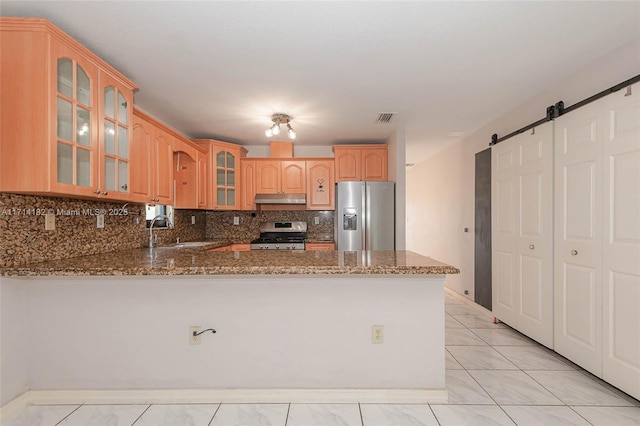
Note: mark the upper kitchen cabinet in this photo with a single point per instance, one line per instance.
(248, 183)
(224, 182)
(65, 113)
(151, 161)
(189, 174)
(280, 176)
(320, 184)
(114, 132)
(361, 162)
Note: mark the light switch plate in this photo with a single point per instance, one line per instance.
(236, 220)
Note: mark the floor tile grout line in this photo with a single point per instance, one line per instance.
(433, 413)
(286, 419)
(141, 414)
(214, 414)
(67, 416)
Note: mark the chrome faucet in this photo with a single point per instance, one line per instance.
(152, 240)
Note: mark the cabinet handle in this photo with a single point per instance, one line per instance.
(105, 193)
(97, 191)
(125, 186)
(574, 252)
(531, 246)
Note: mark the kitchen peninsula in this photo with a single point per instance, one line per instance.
(291, 326)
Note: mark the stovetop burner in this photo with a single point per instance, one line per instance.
(281, 236)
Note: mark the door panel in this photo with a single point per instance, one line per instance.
(579, 300)
(504, 239)
(621, 253)
(535, 234)
(531, 289)
(503, 287)
(578, 237)
(580, 201)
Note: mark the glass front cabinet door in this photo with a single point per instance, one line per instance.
(226, 162)
(115, 130)
(75, 139)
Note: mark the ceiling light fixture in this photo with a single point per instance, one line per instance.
(278, 119)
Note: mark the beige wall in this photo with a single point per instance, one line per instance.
(440, 190)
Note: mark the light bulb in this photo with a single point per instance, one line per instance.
(268, 133)
(291, 132)
(275, 129)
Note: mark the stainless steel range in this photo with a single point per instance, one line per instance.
(281, 236)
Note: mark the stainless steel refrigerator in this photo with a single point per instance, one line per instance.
(365, 216)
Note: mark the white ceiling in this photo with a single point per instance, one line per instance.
(220, 69)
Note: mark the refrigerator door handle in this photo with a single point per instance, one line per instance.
(366, 207)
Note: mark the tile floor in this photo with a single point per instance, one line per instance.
(495, 376)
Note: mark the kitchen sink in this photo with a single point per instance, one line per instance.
(191, 244)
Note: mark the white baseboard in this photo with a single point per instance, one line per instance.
(167, 396)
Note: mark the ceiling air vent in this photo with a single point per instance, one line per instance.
(384, 117)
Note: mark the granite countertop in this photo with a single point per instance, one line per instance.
(171, 260)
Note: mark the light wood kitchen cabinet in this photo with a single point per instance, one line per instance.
(224, 181)
(280, 176)
(361, 162)
(248, 183)
(320, 184)
(204, 198)
(56, 113)
(319, 246)
(151, 161)
(185, 174)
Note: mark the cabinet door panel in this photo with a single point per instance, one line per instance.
(141, 161)
(248, 171)
(163, 146)
(374, 164)
(578, 237)
(348, 164)
(320, 185)
(75, 131)
(621, 251)
(293, 177)
(268, 177)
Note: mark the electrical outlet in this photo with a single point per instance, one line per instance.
(50, 222)
(377, 334)
(194, 340)
(316, 220)
(100, 221)
(193, 220)
(236, 220)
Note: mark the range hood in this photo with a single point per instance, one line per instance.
(280, 199)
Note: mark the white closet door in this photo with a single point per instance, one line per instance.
(504, 204)
(621, 260)
(535, 234)
(578, 236)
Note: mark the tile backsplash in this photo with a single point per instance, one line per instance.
(220, 223)
(23, 238)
